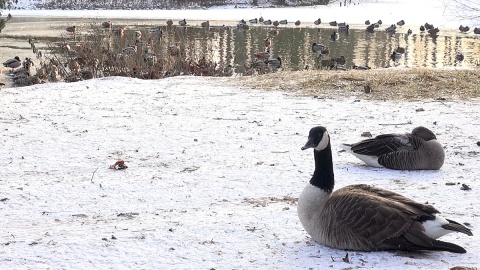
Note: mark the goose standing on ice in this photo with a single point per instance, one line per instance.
(366, 218)
(418, 150)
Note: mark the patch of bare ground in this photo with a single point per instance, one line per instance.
(378, 84)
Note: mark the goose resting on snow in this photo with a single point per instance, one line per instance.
(418, 150)
(366, 218)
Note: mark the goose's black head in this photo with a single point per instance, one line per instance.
(318, 139)
(424, 133)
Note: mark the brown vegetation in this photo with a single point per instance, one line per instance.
(384, 84)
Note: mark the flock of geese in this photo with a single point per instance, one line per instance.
(264, 60)
(367, 218)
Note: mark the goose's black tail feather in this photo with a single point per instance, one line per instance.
(445, 246)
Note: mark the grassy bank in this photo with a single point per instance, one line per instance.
(385, 84)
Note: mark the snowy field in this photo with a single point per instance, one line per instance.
(213, 175)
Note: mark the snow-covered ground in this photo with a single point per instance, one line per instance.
(443, 14)
(213, 171)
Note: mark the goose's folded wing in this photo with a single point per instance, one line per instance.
(405, 158)
(380, 218)
(382, 144)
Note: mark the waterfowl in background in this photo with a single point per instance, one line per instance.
(317, 47)
(182, 22)
(274, 63)
(395, 56)
(107, 24)
(400, 50)
(71, 29)
(367, 22)
(464, 29)
(476, 30)
(297, 23)
(12, 63)
(283, 22)
(205, 24)
(401, 23)
(334, 36)
(317, 21)
(276, 23)
(418, 150)
(459, 57)
(334, 23)
(422, 28)
(370, 28)
(366, 218)
(253, 20)
(267, 22)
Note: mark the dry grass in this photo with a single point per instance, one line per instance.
(385, 84)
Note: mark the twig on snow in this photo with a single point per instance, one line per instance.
(93, 174)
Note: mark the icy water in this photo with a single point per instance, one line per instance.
(238, 47)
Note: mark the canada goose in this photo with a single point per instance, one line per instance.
(418, 150)
(367, 22)
(242, 26)
(334, 36)
(253, 20)
(317, 21)
(391, 29)
(12, 63)
(182, 22)
(401, 23)
(283, 22)
(263, 55)
(464, 29)
(366, 67)
(344, 28)
(366, 218)
(107, 25)
(400, 50)
(433, 32)
(274, 63)
(317, 47)
(370, 28)
(71, 29)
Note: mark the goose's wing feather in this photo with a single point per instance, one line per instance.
(404, 157)
(383, 144)
(381, 218)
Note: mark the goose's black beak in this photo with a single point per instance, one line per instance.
(309, 144)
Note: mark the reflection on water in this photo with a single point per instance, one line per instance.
(293, 44)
